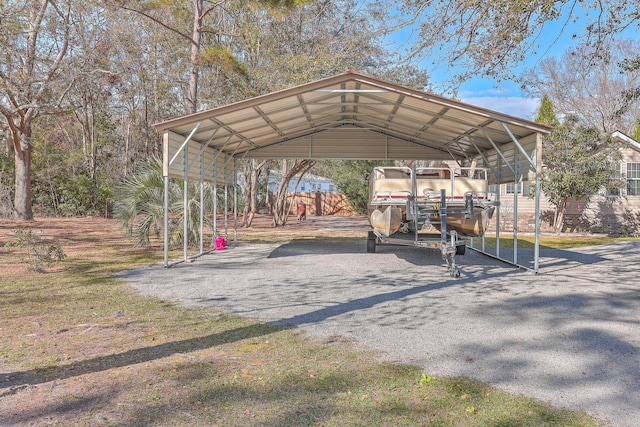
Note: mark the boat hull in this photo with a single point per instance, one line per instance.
(471, 227)
(386, 222)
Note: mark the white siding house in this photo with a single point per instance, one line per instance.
(613, 212)
(308, 183)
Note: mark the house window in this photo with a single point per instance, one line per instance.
(332, 188)
(492, 188)
(511, 187)
(616, 176)
(633, 179)
(303, 187)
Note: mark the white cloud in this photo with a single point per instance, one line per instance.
(524, 108)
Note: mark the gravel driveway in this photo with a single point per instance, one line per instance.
(570, 335)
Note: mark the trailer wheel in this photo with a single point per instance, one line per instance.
(460, 250)
(371, 242)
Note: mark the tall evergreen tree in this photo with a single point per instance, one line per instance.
(546, 113)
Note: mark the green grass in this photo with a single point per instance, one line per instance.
(91, 351)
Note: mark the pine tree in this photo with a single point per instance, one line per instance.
(546, 114)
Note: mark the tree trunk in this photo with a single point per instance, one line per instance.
(281, 211)
(558, 221)
(22, 198)
(279, 216)
(41, 45)
(192, 97)
(251, 175)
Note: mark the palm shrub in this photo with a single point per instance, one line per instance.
(139, 204)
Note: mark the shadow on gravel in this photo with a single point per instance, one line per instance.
(553, 260)
(313, 247)
(583, 347)
(409, 252)
(357, 304)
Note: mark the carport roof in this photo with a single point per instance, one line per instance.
(352, 116)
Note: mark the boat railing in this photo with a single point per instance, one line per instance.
(456, 181)
(393, 185)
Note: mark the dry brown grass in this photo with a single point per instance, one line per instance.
(80, 347)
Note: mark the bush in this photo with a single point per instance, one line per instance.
(40, 251)
(139, 204)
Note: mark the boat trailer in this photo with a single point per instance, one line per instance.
(431, 220)
(449, 243)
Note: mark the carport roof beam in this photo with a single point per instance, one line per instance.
(499, 152)
(484, 157)
(186, 141)
(517, 143)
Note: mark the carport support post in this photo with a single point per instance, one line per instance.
(215, 203)
(517, 187)
(536, 245)
(226, 202)
(166, 221)
(185, 200)
(201, 204)
(235, 202)
(499, 197)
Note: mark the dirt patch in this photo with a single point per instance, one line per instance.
(78, 229)
(76, 235)
(313, 224)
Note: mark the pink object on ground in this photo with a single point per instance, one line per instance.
(221, 244)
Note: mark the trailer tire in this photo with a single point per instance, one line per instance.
(460, 250)
(371, 242)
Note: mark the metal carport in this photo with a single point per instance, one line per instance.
(353, 116)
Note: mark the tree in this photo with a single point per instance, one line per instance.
(350, 178)
(299, 168)
(491, 38)
(162, 13)
(208, 43)
(140, 206)
(546, 113)
(578, 162)
(36, 38)
(636, 131)
(593, 92)
(251, 175)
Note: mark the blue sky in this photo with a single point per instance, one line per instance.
(505, 96)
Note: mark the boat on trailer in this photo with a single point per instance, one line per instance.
(435, 207)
